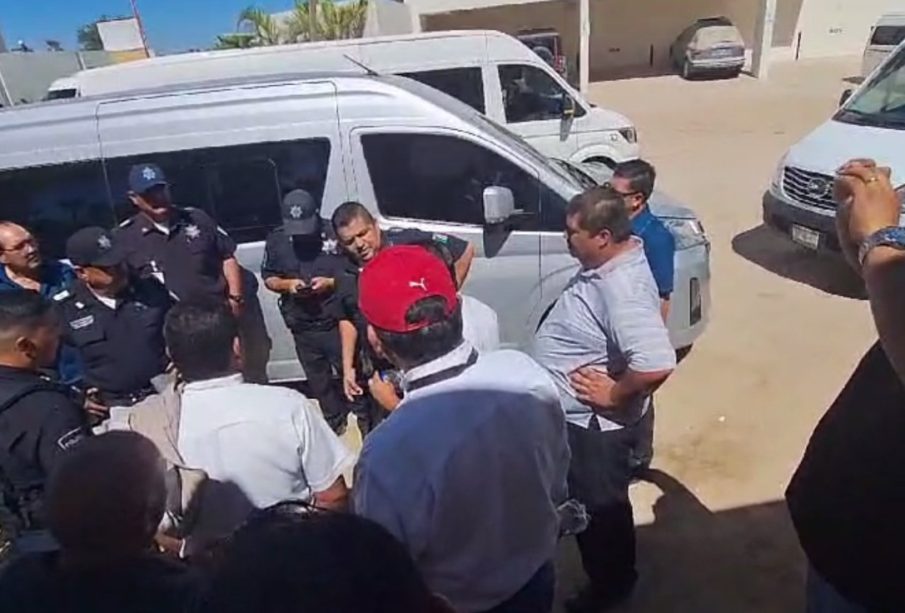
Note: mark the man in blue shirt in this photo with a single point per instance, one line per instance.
(23, 267)
(634, 180)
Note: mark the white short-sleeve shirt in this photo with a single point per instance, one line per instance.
(258, 444)
(480, 325)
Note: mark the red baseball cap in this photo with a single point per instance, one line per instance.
(398, 278)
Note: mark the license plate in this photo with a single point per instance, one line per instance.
(806, 237)
(723, 52)
(696, 306)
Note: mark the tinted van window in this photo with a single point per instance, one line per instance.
(55, 201)
(240, 186)
(888, 35)
(465, 84)
(441, 178)
(530, 94)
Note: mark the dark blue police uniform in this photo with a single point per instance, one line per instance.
(122, 347)
(188, 259)
(39, 420)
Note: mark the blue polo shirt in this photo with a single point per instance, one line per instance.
(55, 277)
(659, 248)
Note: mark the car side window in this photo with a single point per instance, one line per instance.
(530, 94)
(55, 201)
(442, 178)
(239, 186)
(465, 84)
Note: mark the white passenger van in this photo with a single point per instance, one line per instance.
(414, 156)
(492, 72)
(885, 36)
(869, 124)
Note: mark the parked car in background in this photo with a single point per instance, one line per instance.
(710, 46)
(489, 71)
(869, 124)
(885, 36)
(547, 44)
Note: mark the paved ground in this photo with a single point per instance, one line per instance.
(787, 328)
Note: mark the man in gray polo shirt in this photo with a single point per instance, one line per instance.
(607, 348)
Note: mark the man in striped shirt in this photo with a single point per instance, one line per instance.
(607, 348)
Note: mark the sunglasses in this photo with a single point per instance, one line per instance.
(609, 185)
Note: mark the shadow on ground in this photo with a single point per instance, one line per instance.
(773, 251)
(691, 559)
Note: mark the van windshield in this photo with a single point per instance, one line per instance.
(524, 148)
(881, 102)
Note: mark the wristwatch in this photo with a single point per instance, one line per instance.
(893, 236)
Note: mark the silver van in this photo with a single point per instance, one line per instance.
(413, 155)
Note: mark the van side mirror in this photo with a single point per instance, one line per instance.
(499, 204)
(845, 96)
(568, 107)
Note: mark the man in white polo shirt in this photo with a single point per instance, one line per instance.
(258, 444)
(608, 349)
(468, 471)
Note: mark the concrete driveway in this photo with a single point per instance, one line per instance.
(788, 327)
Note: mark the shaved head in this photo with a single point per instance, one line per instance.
(108, 495)
(29, 331)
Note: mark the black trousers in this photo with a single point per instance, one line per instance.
(599, 476)
(320, 354)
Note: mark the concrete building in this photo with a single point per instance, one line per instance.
(632, 37)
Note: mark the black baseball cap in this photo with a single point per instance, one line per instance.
(93, 247)
(143, 177)
(300, 215)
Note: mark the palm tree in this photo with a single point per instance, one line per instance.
(346, 21)
(265, 28)
(234, 41)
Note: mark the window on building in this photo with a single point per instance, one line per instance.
(55, 201)
(531, 94)
(465, 84)
(239, 186)
(442, 178)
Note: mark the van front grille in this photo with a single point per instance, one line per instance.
(809, 188)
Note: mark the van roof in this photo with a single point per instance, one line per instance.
(67, 128)
(896, 18)
(180, 58)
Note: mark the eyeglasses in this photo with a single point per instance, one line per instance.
(609, 185)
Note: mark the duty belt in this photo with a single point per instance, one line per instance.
(117, 399)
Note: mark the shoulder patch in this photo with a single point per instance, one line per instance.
(61, 296)
(440, 238)
(70, 439)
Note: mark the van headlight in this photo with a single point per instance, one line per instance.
(687, 232)
(629, 134)
(776, 183)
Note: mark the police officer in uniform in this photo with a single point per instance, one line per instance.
(181, 246)
(359, 235)
(114, 320)
(39, 419)
(300, 267)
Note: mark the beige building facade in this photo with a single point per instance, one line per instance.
(634, 36)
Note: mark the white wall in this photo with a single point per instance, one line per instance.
(840, 27)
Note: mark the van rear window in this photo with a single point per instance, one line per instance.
(888, 35)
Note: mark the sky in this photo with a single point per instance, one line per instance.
(170, 25)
